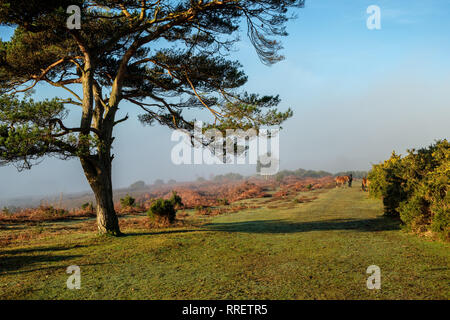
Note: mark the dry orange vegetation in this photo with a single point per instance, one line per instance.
(200, 195)
(210, 193)
(208, 198)
(292, 184)
(49, 213)
(43, 213)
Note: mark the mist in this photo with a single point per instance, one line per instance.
(356, 94)
(333, 132)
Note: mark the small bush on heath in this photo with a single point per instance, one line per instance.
(88, 206)
(164, 211)
(223, 202)
(127, 201)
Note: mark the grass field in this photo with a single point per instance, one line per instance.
(315, 250)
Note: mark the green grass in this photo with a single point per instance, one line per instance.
(315, 250)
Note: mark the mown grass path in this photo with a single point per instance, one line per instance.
(315, 250)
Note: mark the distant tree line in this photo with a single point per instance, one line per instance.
(228, 177)
(137, 185)
(302, 173)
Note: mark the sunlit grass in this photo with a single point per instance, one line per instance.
(314, 250)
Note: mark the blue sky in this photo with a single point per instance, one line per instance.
(357, 94)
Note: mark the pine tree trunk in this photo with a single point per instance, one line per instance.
(97, 167)
(98, 175)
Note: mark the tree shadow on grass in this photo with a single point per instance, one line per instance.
(17, 262)
(17, 259)
(285, 226)
(11, 227)
(48, 268)
(153, 233)
(41, 249)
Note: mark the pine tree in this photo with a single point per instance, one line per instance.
(162, 56)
